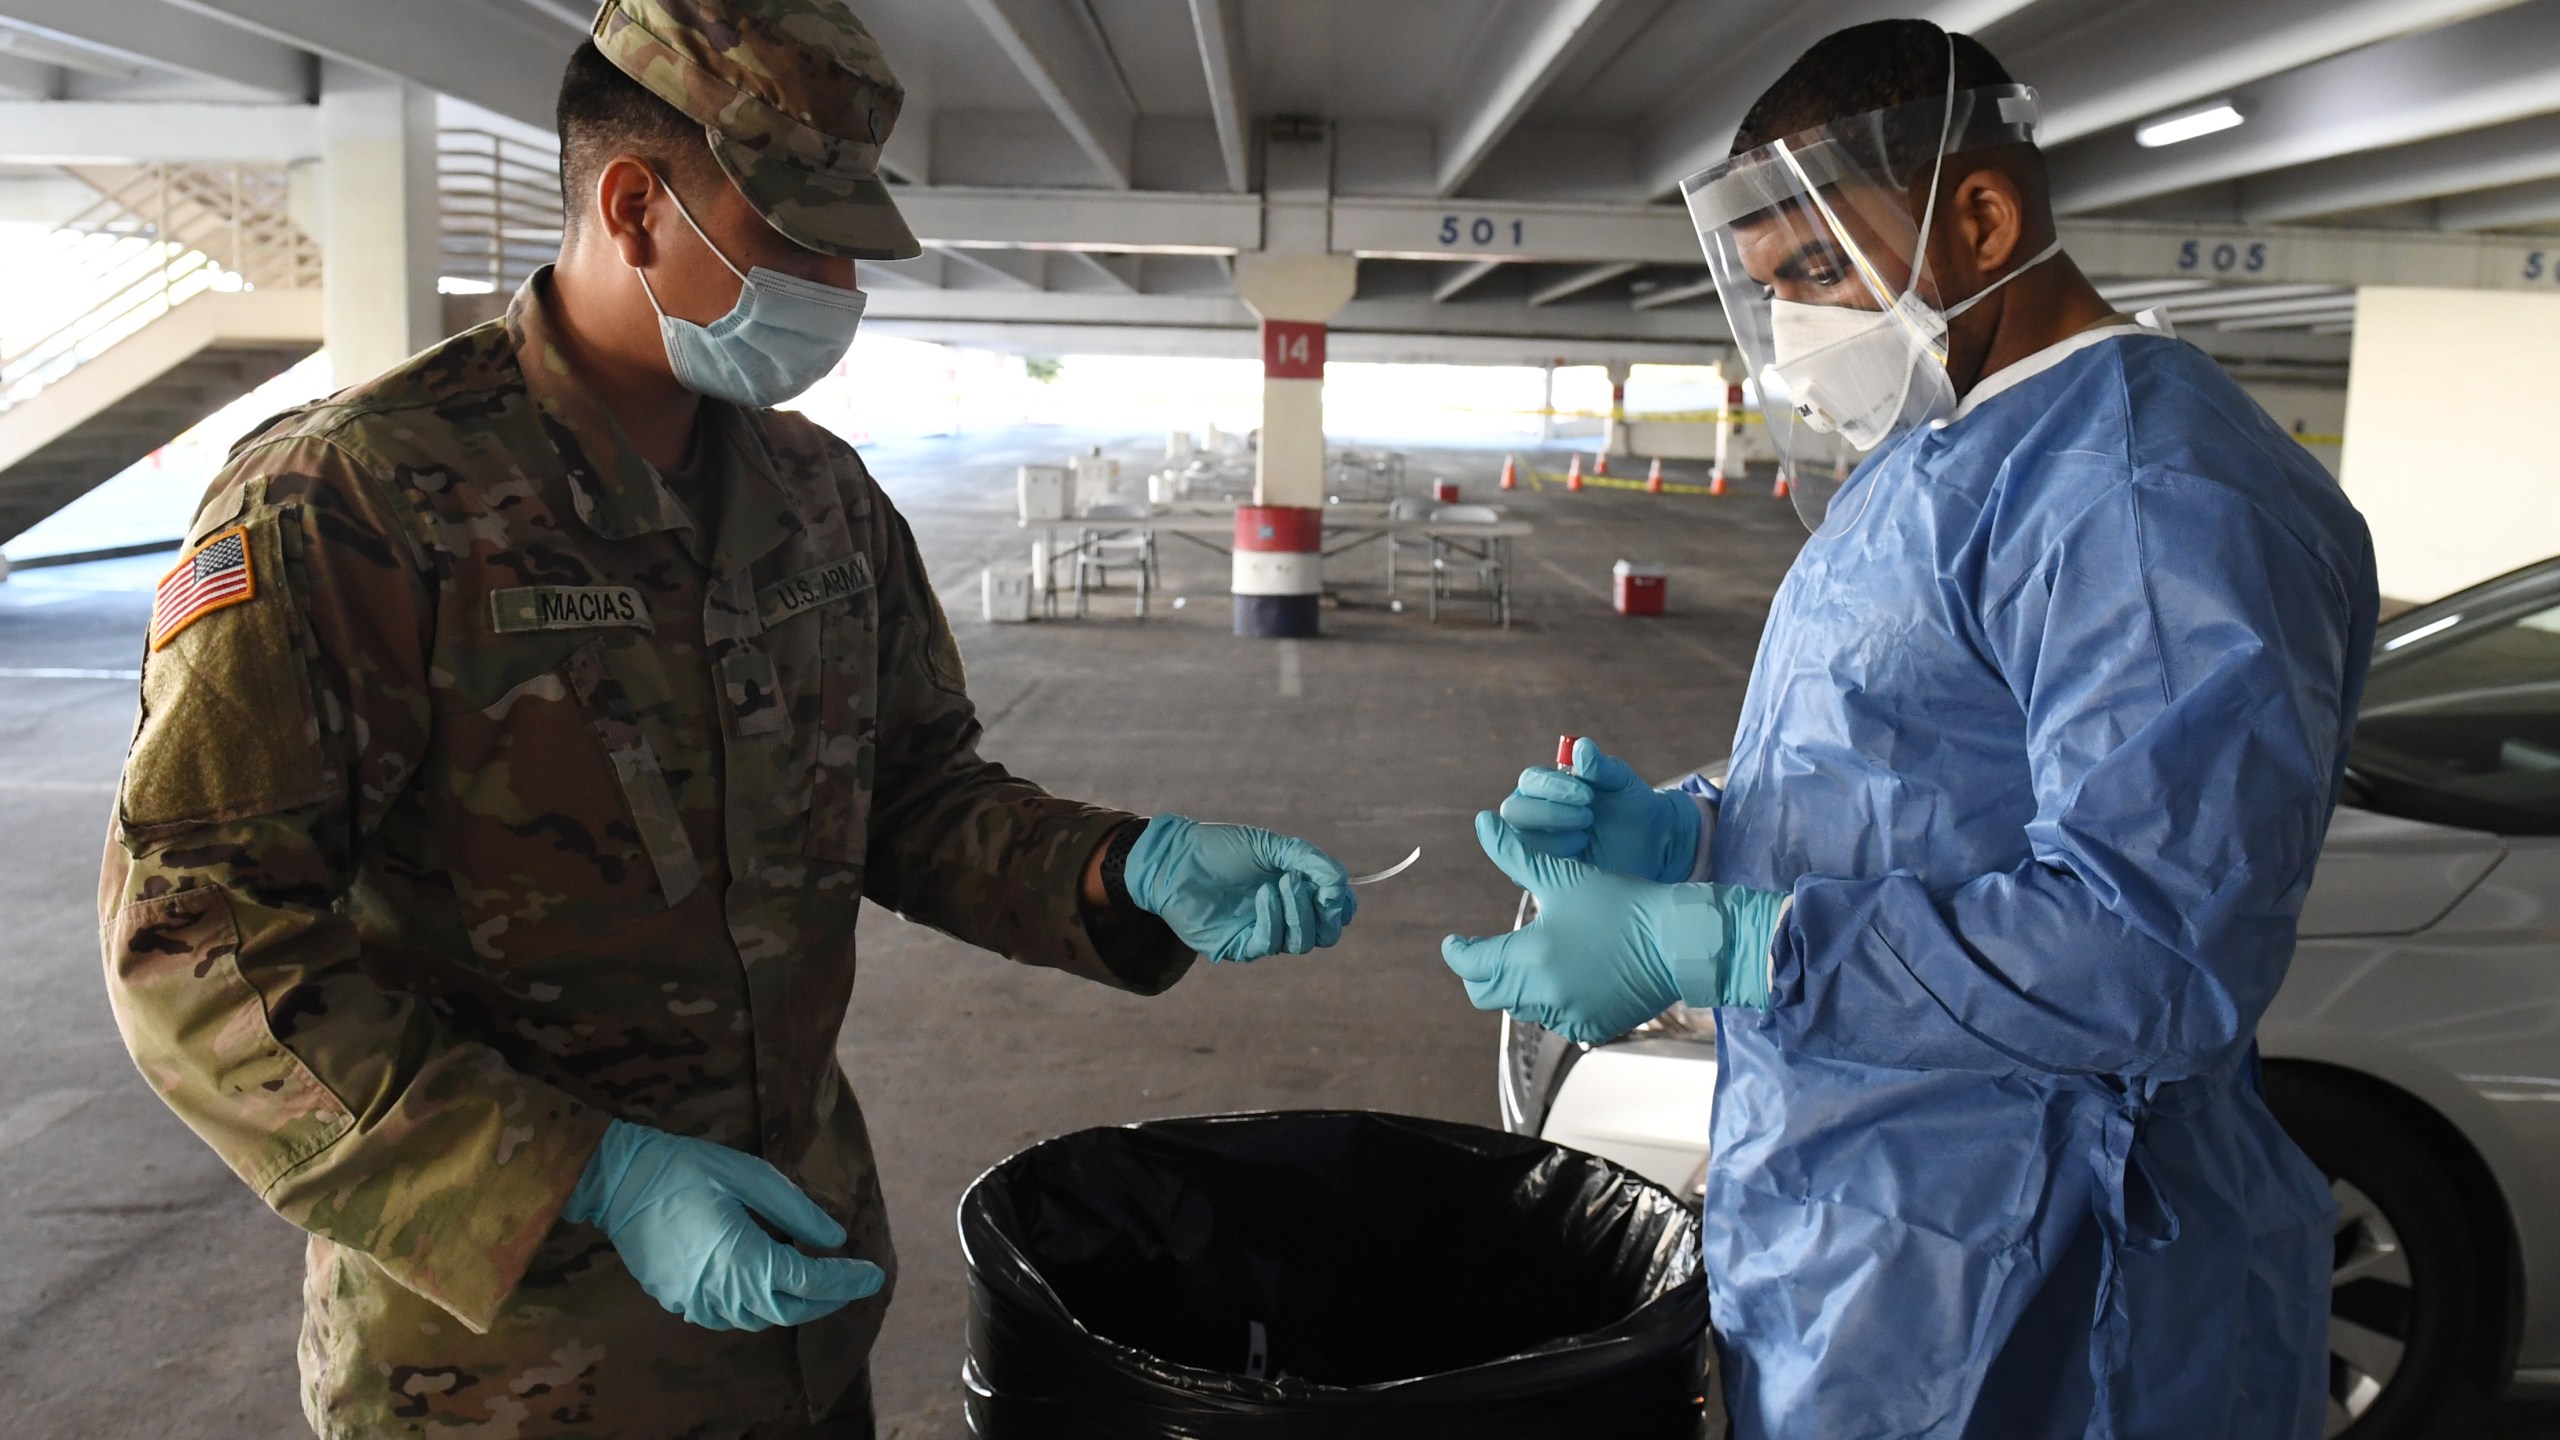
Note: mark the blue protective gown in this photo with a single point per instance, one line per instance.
(2043, 737)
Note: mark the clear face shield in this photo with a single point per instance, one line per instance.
(1819, 243)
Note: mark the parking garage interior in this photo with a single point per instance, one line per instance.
(213, 210)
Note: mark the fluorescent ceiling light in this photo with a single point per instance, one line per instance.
(2286, 322)
(2116, 291)
(2186, 125)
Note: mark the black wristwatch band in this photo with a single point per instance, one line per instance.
(1115, 864)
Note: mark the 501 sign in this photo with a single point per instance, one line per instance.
(2223, 257)
(1482, 230)
(2541, 267)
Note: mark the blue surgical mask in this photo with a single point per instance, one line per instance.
(782, 337)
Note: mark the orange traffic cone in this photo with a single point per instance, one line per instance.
(1573, 472)
(1782, 489)
(1653, 477)
(1600, 466)
(1715, 482)
(1510, 472)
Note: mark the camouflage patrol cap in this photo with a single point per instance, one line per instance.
(795, 98)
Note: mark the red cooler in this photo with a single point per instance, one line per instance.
(1445, 491)
(1640, 588)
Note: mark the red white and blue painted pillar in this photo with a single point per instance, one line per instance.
(1279, 563)
(1279, 577)
(1279, 555)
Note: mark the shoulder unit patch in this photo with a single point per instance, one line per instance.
(214, 575)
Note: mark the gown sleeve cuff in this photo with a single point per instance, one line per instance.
(1703, 793)
(1758, 918)
(1769, 957)
(1730, 932)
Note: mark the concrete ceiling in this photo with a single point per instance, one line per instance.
(2412, 116)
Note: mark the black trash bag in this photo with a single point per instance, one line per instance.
(1328, 1273)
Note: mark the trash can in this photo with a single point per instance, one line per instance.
(1336, 1274)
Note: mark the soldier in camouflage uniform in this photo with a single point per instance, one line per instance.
(494, 785)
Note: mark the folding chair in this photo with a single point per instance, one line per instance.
(1488, 557)
(1406, 511)
(1100, 548)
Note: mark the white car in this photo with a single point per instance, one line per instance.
(2413, 1053)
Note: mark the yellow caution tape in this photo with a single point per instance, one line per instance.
(1538, 479)
(1742, 415)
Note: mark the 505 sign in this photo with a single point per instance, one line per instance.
(2223, 257)
(1482, 230)
(2541, 268)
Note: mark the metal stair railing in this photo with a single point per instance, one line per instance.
(156, 237)
(501, 202)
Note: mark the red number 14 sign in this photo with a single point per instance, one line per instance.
(1292, 350)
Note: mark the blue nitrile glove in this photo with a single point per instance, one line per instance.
(1609, 952)
(1236, 893)
(677, 1208)
(1603, 814)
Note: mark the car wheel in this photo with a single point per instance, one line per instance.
(2406, 1278)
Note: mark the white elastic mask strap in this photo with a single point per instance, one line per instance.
(1841, 232)
(651, 291)
(1937, 167)
(1975, 298)
(697, 230)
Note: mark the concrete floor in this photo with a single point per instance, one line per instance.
(144, 1291)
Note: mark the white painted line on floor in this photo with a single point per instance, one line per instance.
(1576, 581)
(1292, 685)
(31, 1118)
(50, 672)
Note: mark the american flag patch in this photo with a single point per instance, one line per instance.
(216, 574)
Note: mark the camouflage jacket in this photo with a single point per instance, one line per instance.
(507, 799)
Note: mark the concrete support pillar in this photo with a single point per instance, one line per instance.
(381, 230)
(2450, 508)
(1614, 440)
(1279, 577)
(1547, 408)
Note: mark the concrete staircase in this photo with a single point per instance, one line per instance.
(197, 287)
(194, 285)
(144, 391)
